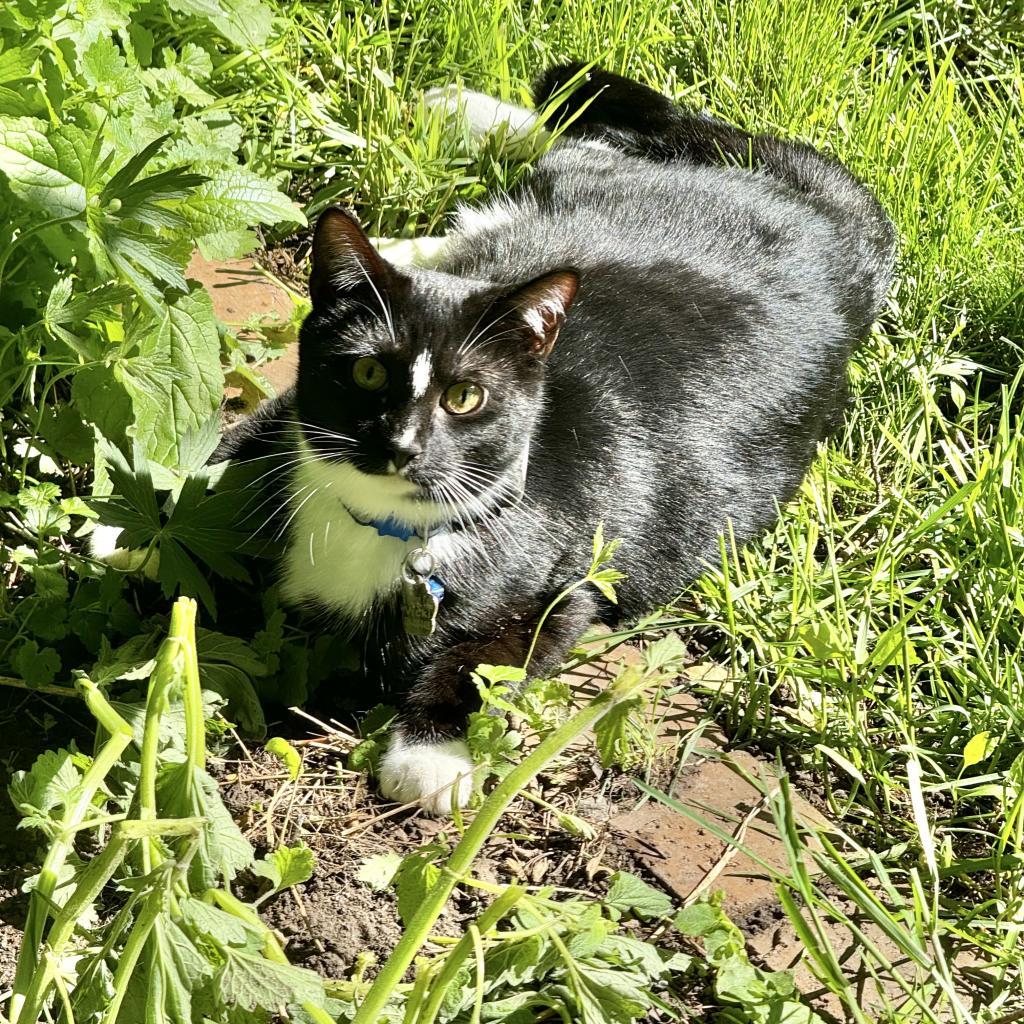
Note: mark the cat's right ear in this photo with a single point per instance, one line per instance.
(344, 258)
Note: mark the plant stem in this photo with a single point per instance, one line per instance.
(486, 921)
(92, 880)
(74, 814)
(48, 688)
(622, 688)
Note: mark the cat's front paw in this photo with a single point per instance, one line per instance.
(427, 773)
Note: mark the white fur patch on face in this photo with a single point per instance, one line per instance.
(421, 371)
(427, 773)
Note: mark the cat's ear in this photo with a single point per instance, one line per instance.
(541, 305)
(344, 258)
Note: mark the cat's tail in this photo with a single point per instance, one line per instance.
(588, 102)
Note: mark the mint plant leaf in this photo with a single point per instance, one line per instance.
(186, 338)
(250, 982)
(184, 791)
(632, 895)
(43, 170)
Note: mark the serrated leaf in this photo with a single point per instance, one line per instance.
(186, 338)
(219, 924)
(609, 996)
(250, 982)
(286, 866)
(16, 63)
(50, 783)
(43, 170)
(184, 791)
(630, 894)
(236, 200)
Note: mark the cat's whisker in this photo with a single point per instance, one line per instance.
(312, 494)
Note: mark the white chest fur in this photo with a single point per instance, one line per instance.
(331, 558)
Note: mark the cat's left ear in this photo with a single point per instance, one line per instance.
(542, 305)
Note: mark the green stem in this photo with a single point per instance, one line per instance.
(48, 688)
(75, 813)
(154, 906)
(461, 860)
(94, 877)
(484, 923)
(183, 626)
(544, 617)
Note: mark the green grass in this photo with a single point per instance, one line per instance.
(877, 632)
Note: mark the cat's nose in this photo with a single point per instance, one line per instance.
(402, 455)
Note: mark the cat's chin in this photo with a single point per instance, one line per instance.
(427, 774)
(370, 495)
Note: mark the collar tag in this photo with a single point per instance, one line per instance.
(422, 593)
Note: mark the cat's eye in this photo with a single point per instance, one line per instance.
(464, 397)
(369, 373)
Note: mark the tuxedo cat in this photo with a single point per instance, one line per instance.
(651, 333)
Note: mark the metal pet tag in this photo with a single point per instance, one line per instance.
(421, 593)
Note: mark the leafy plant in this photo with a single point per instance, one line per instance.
(147, 928)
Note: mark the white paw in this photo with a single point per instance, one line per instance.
(104, 548)
(411, 252)
(427, 773)
(482, 114)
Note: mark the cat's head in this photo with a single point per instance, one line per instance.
(419, 390)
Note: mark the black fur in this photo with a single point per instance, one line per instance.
(724, 280)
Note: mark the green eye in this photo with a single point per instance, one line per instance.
(463, 398)
(369, 373)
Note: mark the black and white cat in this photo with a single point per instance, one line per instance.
(651, 333)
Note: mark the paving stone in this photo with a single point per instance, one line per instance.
(241, 291)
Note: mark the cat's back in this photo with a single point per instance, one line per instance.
(668, 231)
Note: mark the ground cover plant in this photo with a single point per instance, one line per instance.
(871, 643)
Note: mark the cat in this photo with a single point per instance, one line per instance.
(651, 333)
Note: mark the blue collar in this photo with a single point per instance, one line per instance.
(389, 527)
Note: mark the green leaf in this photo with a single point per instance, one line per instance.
(699, 920)
(287, 754)
(237, 199)
(416, 876)
(185, 791)
(976, 749)
(609, 996)
(611, 734)
(186, 339)
(630, 894)
(379, 870)
(250, 982)
(35, 665)
(50, 783)
(285, 867)
(44, 171)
